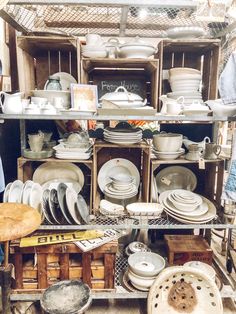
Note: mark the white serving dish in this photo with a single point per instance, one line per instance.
(185, 32)
(136, 49)
(220, 110)
(144, 209)
(146, 264)
(95, 54)
(201, 144)
(51, 94)
(167, 142)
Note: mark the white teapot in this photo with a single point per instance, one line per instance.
(11, 104)
(171, 106)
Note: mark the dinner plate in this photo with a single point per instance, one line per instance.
(54, 206)
(190, 221)
(61, 194)
(83, 209)
(26, 192)
(15, 192)
(114, 166)
(121, 196)
(35, 197)
(6, 192)
(175, 177)
(71, 201)
(53, 184)
(65, 79)
(185, 32)
(123, 142)
(122, 131)
(64, 171)
(45, 207)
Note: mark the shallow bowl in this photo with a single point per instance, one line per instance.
(146, 263)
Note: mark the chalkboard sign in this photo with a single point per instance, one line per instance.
(133, 83)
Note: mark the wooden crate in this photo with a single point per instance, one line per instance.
(139, 154)
(185, 248)
(39, 267)
(38, 57)
(209, 180)
(137, 75)
(200, 54)
(26, 168)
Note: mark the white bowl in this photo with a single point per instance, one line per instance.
(144, 282)
(184, 70)
(146, 263)
(168, 155)
(135, 51)
(167, 142)
(95, 54)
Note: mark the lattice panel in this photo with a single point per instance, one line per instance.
(107, 20)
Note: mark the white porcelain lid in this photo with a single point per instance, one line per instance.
(136, 42)
(121, 94)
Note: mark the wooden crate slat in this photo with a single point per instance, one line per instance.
(42, 271)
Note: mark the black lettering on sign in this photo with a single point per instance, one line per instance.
(42, 240)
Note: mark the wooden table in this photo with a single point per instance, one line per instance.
(16, 221)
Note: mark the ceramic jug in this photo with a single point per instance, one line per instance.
(171, 106)
(11, 104)
(212, 151)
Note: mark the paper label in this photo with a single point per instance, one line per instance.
(201, 163)
(165, 181)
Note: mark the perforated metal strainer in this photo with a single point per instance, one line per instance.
(182, 289)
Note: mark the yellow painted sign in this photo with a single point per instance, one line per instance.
(46, 239)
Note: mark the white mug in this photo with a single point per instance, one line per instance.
(58, 102)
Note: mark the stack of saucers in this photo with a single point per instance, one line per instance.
(122, 136)
(187, 207)
(143, 269)
(122, 186)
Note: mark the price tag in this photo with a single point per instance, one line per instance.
(201, 163)
(165, 181)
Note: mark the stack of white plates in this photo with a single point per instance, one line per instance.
(64, 205)
(64, 151)
(29, 193)
(122, 136)
(167, 155)
(122, 186)
(185, 82)
(187, 207)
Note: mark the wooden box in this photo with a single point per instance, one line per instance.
(139, 76)
(38, 267)
(209, 180)
(185, 248)
(200, 54)
(138, 154)
(26, 168)
(38, 57)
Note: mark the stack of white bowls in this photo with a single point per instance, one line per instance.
(122, 186)
(143, 269)
(167, 146)
(94, 48)
(185, 82)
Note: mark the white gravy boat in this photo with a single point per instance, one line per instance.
(11, 104)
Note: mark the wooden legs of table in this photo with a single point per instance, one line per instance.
(5, 284)
(6, 253)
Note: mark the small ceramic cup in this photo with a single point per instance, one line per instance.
(212, 151)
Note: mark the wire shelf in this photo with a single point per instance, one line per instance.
(104, 19)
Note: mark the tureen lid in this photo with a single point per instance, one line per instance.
(121, 94)
(136, 42)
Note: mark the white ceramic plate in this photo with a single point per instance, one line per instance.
(175, 177)
(36, 197)
(15, 192)
(114, 166)
(145, 209)
(71, 201)
(6, 192)
(65, 79)
(83, 208)
(61, 194)
(65, 171)
(185, 32)
(26, 192)
(45, 207)
(53, 205)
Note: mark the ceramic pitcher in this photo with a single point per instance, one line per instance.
(194, 153)
(212, 151)
(11, 104)
(171, 106)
